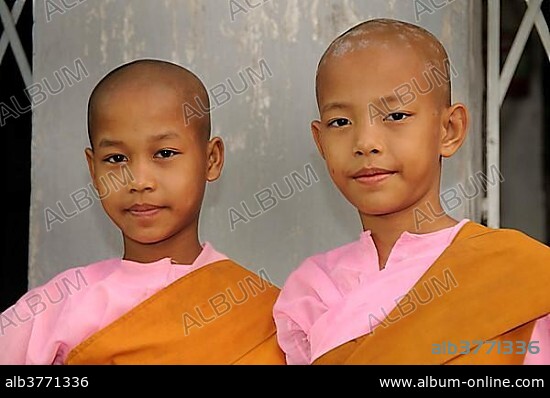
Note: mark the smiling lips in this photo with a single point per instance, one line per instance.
(144, 210)
(372, 175)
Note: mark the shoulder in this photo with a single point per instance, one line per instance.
(90, 273)
(502, 238)
(209, 254)
(315, 280)
(503, 244)
(74, 279)
(50, 299)
(245, 274)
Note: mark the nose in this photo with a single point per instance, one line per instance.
(369, 140)
(143, 177)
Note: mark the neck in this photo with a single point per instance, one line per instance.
(183, 248)
(419, 219)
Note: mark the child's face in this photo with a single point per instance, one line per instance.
(143, 128)
(383, 155)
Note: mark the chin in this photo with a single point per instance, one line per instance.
(146, 239)
(380, 210)
(376, 213)
(147, 242)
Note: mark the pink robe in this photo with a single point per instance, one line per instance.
(50, 320)
(340, 295)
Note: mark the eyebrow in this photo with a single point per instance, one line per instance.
(334, 105)
(389, 99)
(163, 136)
(107, 142)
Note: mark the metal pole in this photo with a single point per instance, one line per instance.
(493, 110)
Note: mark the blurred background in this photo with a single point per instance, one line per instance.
(275, 204)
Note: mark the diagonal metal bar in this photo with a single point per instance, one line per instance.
(542, 28)
(518, 46)
(498, 83)
(16, 13)
(16, 46)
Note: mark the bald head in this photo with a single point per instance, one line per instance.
(392, 35)
(153, 74)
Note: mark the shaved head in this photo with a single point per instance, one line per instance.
(187, 87)
(392, 35)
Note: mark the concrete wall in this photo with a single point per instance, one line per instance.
(265, 128)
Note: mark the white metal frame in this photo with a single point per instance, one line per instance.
(498, 84)
(10, 36)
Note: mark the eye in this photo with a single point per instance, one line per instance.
(396, 117)
(116, 158)
(165, 153)
(340, 122)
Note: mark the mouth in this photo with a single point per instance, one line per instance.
(144, 210)
(372, 175)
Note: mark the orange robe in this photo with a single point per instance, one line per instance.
(501, 286)
(218, 314)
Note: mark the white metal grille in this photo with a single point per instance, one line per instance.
(498, 83)
(10, 36)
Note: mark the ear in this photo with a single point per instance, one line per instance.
(90, 159)
(454, 129)
(316, 131)
(215, 159)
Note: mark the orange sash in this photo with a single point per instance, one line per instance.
(218, 314)
(490, 285)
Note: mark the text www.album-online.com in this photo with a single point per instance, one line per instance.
(489, 382)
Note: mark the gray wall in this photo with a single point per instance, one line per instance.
(266, 128)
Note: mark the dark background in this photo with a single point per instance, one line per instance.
(16, 149)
